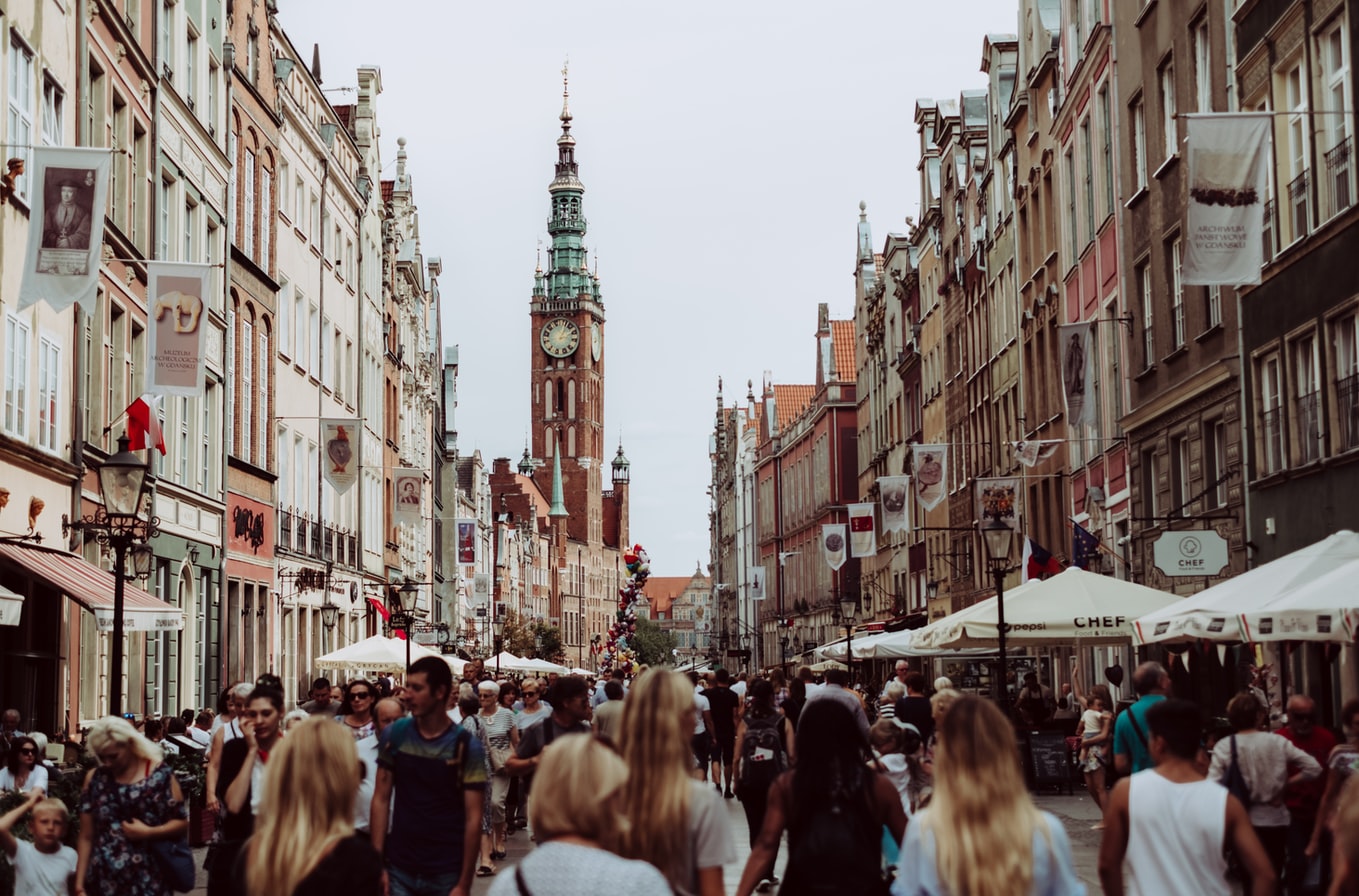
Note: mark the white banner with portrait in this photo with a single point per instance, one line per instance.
(931, 468)
(1078, 374)
(896, 510)
(408, 496)
(68, 190)
(176, 334)
(341, 438)
(1228, 180)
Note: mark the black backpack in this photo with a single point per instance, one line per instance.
(763, 757)
(837, 849)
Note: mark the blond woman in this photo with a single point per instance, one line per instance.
(982, 835)
(578, 821)
(677, 823)
(304, 842)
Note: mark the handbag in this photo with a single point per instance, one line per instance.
(1235, 781)
(175, 859)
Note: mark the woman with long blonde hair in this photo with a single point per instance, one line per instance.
(982, 835)
(304, 842)
(677, 823)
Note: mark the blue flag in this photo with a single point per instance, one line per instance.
(1084, 546)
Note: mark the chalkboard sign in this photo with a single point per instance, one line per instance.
(1049, 762)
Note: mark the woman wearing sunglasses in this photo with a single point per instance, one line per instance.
(22, 772)
(356, 715)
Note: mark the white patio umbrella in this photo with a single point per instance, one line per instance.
(579, 671)
(1214, 613)
(1072, 607)
(1325, 609)
(541, 665)
(508, 662)
(378, 653)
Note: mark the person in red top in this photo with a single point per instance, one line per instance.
(1303, 798)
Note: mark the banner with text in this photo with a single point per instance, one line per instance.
(1078, 374)
(930, 468)
(176, 336)
(896, 510)
(1224, 215)
(67, 194)
(833, 544)
(863, 530)
(407, 496)
(342, 438)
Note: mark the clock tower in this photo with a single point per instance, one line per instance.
(567, 330)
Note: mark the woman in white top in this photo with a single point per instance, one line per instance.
(1269, 763)
(577, 819)
(23, 772)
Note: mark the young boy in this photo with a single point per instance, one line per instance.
(45, 867)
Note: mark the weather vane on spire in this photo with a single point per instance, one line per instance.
(566, 67)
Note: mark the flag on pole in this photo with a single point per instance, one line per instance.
(143, 424)
(1038, 562)
(386, 617)
(863, 534)
(1031, 452)
(1084, 546)
(69, 190)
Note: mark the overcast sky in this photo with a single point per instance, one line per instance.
(724, 148)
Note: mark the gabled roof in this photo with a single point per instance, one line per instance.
(661, 592)
(790, 401)
(531, 488)
(388, 186)
(346, 116)
(842, 335)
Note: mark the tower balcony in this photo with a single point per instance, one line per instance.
(562, 222)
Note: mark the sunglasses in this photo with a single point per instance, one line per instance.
(28, 751)
(359, 695)
(530, 693)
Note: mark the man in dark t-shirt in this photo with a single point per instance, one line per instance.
(570, 698)
(915, 706)
(726, 706)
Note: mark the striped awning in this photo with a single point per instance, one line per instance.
(92, 588)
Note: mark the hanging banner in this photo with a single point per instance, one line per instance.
(1031, 452)
(998, 503)
(176, 336)
(481, 589)
(1077, 373)
(929, 462)
(1224, 217)
(69, 189)
(467, 541)
(833, 544)
(756, 582)
(408, 491)
(896, 513)
(341, 437)
(863, 530)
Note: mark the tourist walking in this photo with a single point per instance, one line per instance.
(1303, 798)
(726, 709)
(44, 866)
(834, 808)
(578, 821)
(982, 834)
(764, 750)
(1169, 829)
(241, 787)
(130, 801)
(1341, 766)
(1132, 751)
(502, 738)
(304, 842)
(356, 714)
(431, 783)
(676, 822)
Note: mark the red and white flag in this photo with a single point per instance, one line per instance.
(863, 532)
(143, 424)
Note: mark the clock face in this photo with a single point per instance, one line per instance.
(559, 337)
(596, 340)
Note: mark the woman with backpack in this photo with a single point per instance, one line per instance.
(764, 750)
(834, 808)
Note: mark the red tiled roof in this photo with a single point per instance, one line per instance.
(387, 187)
(346, 116)
(661, 592)
(789, 401)
(842, 335)
(541, 502)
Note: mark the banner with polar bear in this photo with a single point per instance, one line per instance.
(1224, 217)
(178, 327)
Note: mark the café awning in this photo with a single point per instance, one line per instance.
(92, 588)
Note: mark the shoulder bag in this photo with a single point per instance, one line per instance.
(1235, 781)
(173, 857)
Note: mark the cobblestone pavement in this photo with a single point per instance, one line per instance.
(1077, 813)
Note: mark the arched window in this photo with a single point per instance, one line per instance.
(547, 441)
(571, 442)
(561, 395)
(571, 401)
(547, 400)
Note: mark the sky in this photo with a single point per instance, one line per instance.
(724, 148)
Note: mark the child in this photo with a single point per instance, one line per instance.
(45, 867)
(1092, 723)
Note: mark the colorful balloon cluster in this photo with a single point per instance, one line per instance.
(618, 652)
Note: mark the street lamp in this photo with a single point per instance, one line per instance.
(401, 612)
(998, 538)
(498, 628)
(121, 525)
(848, 607)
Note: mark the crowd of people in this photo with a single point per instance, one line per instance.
(414, 789)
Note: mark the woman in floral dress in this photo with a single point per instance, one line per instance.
(131, 799)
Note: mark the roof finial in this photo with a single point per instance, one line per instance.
(539, 268)
(566, 94)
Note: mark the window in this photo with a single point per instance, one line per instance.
(316, 233)
(167, 39)
(182, 452)
(1151, 509)
(1345, 340)
(16, 376)
(1271, 428)
(1144, 298)
(262, 358)
(1333, 55)
(1069, 182)
(205, 432)
(20, 134)
(1307, 398)
(247, 426)
(284, 318)
(53, 126)
(1179, 476)
(1106, 131)
(190, 231)
(191, 69)
(1176, 294)
(266, 218)
(118, 140)
(231, 343)
(1088, 165)
(1295, 103)
(299, 192)
(1203, 77)
(1169, 126)
(314, 339)
(166, 188)
(1213, 306)
(1215, 462)
(326, 367)
(214, 72)
(1139, 147)
(248, 218)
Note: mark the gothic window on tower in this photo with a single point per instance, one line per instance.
(561, 395)
(571, 400)
(547, 400)
(571, 442)
(547, 442)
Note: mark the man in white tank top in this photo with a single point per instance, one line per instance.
(1168, 826)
